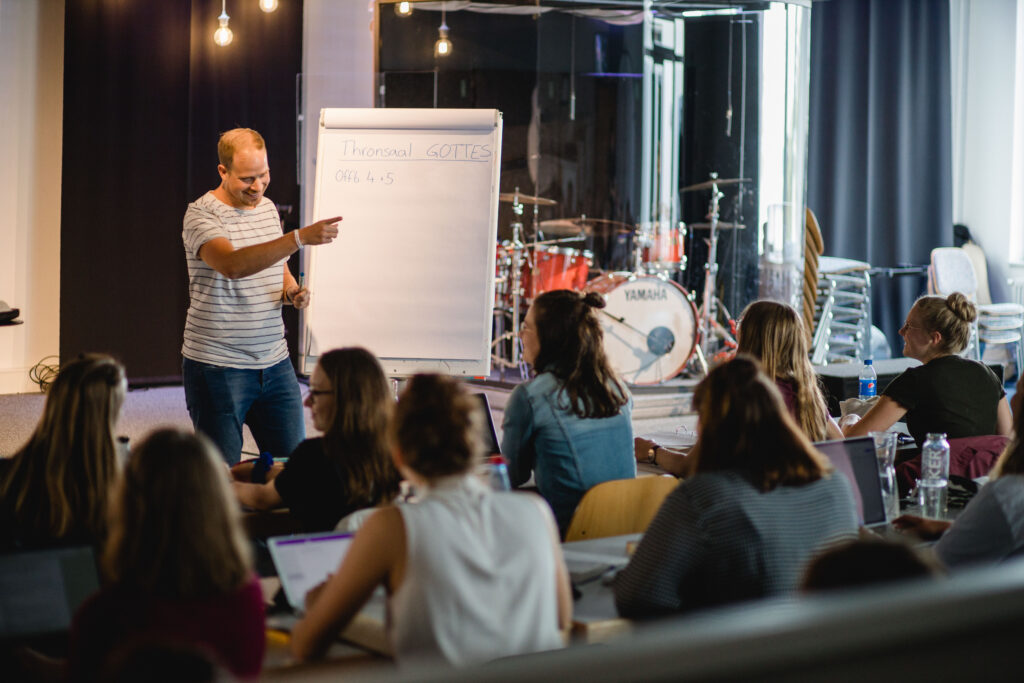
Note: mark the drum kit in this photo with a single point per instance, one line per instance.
(652, 328)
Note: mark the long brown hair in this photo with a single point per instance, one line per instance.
(175, 528)
(59, 483)
(744, 427)
(572, 349)
(774, 333)
(357, 439)
(438, 427)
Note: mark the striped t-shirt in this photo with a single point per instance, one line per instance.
(232, 323)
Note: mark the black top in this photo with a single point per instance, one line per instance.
(950, 394)
(312, 488)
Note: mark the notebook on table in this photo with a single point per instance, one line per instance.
(856, 460)
(41, 589)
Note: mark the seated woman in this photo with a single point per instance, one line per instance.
(177, 564)
(774, 334)
(54, 491)
(570, 425)
(948, 394)
(347, 469)
(989, 529)
(761, 503)
(471, 575)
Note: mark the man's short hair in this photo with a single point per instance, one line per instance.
(234, 139)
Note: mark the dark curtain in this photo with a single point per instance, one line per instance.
(879, 166)
(146, 93)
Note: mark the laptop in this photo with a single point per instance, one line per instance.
(41, 589)
(304, 561)
(856, 460)
(490, 435)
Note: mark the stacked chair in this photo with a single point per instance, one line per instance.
(963, 269)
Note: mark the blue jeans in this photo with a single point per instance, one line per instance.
(220, 400)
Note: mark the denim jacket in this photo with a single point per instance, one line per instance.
(567, 454)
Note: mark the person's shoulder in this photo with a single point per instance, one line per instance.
(308, 448)
(713, 484)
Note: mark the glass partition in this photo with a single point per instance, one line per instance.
(614, 112)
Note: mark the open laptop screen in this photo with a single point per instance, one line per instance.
(490, 435)
(305, 560)
(41, 589)
(856, 459)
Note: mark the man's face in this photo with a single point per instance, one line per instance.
(247, 179)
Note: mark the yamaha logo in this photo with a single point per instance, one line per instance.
(658, 294)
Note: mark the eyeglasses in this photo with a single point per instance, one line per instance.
(313, 393)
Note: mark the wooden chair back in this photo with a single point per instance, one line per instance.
(621, 506)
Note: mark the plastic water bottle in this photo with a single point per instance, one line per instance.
(497, 473)
(934, 482)
(868, 381)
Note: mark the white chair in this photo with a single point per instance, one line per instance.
(954, 269)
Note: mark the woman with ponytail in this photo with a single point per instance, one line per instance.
(570, 425)
(957, 396)
(761, 503)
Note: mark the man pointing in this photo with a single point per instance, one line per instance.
(235, 364)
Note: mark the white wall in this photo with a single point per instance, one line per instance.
(984, 57)
(337, 67)
(31, 115)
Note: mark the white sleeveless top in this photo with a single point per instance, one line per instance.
(480, 576)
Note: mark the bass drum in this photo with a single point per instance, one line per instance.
(649, 325)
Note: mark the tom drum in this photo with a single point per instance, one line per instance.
(555, 268)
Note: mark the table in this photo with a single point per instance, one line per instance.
(594, 616)
(840, 380)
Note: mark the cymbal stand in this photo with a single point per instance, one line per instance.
(518, 253)
(709, 310)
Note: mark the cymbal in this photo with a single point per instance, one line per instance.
(706, 185)
(584, 224)
(722, 225)
(512, 197)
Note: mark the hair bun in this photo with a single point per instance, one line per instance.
(961, 307)
(594, 300)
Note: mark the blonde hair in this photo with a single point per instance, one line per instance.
(175, 528)
(233, 140)
(774, 333)
(58, 485)
(950, 316)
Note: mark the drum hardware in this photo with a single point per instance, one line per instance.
(715, 181)
(518, 198)
(708, 311)
(722, 225)
(584, 225)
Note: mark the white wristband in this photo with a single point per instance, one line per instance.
(298, 242)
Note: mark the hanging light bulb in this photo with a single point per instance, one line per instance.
(403, 9)
(223, 36)
(443, 46)
(268, 5)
